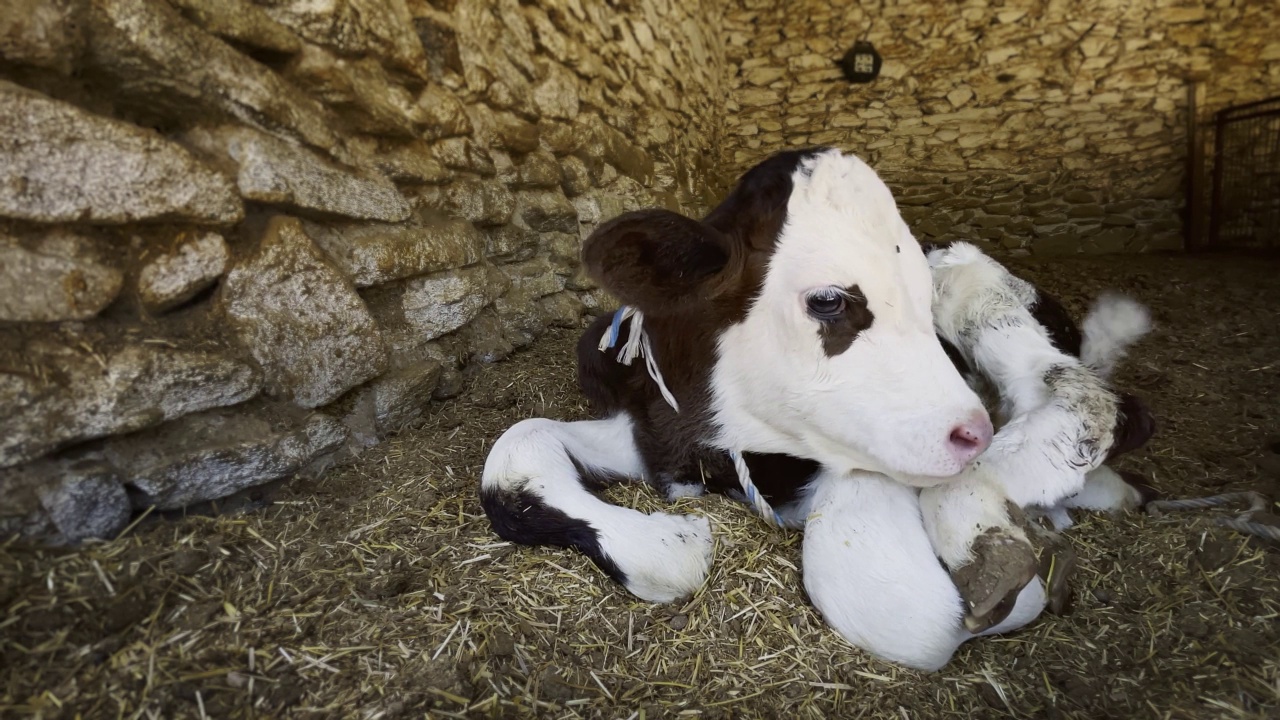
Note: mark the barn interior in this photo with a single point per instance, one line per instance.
(275, 274)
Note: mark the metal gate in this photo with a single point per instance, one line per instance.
(1245, 210)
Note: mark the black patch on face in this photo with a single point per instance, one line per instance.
(521, 517)
(838, 330)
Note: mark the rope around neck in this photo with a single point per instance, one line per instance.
(637, 344)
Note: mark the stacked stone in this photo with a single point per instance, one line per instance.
(241, 239)
(1027, 126)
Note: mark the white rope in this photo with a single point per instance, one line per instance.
(638, 344)
(754, 496)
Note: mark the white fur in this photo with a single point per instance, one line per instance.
(870, 570)
(1113, 324)
(665, 557)
(1057, 431)
(890, 402)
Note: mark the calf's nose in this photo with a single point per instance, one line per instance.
(969, 439)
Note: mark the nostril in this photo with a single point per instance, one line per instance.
(965, 437)
(971, 438)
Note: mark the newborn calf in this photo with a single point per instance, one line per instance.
(1062, 421)
(872, 543)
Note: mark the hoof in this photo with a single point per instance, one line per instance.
(1001, 568)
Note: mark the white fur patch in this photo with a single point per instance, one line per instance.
(870, 570)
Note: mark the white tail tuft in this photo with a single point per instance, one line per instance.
(1114, 323)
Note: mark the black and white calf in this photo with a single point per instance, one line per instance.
(793, 324)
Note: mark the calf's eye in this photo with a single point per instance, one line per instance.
(825, 305)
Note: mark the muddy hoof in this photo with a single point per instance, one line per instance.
(990, 585)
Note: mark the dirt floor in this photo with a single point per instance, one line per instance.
(380, 591)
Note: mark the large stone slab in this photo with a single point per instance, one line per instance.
(55, 395)
(359, 90)
(159, 58)
(63, 501)
(212, 455)
(59, 163)
(437, 304)
(301, 318)
(54, 277)
(178, 273)
(270, 170)
(357, 27)
(376, 253)
(241, 21)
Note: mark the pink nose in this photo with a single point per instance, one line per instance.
(970, 438)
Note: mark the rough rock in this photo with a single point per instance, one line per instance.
(42, 33)
(240, 21)
(462, 154)
(59, 163)
(376, 253)
(270, 170)
(538, 170)
(411, 163)
(382, 28)
(439, 40)
(54, 277)
(484, 203)
(169, 64)
(359, 90)
(437, 304)
(59, 394)
(514, 134)
(441, 114)
(301, 319)
(63, 501)
(505, 241)
(192, 263)
(211, 455)
(401, 395)
(557, 95)
(577, 179)
(547, 211)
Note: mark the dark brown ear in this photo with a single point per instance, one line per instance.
(661, 262)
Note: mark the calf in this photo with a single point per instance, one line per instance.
(792, 325)
(1060, 420)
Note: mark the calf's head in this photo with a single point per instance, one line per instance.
(818, 300)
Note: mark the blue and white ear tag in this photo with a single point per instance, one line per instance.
(638, 344)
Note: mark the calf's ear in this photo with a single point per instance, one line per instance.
(660, 261)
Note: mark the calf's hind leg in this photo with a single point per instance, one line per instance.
(536, 489)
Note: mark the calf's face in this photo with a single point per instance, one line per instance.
(820, 302)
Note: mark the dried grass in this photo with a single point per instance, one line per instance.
(380, 591)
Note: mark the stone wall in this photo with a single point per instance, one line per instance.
(240, 239)
(1046, 126)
